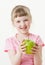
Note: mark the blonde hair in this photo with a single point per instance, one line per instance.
(20, 10)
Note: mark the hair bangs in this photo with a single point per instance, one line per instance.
(20, 12)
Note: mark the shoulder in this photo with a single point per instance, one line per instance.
(38, 39)
(11, 39)
(34, 35)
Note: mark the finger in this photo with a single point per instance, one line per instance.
(23, 46)
(23, 50)
(33, 52)
(36, 44)
(23, 40)
(36, 47)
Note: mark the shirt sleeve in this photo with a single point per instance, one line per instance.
(9, 45)
(39, 41)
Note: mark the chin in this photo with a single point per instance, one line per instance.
(23, 32)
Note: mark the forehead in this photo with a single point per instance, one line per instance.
(21, 18)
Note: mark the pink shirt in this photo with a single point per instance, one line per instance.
(12, 44)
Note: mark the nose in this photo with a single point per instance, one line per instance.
(22, 23)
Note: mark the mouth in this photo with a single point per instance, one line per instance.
(24, 28)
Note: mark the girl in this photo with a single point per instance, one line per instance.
(22, 19)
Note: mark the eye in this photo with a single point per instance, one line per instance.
(26, 20)
(18, 21)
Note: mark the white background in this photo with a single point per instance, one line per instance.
(37, 8)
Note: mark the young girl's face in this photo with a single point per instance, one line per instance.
(22, 24)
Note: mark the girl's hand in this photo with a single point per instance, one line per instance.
(22, 47)
(35, 49)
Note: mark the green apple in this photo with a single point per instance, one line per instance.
(29, 45)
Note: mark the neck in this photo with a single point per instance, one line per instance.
(23, 34)
(20, 37)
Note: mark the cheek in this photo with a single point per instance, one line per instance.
(28, 23)
(16, 25)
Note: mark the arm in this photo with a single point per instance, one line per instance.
(14, 57)
(38, 57)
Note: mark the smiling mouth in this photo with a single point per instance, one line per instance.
(24, 28)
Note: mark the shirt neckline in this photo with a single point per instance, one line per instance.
(18, 40)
